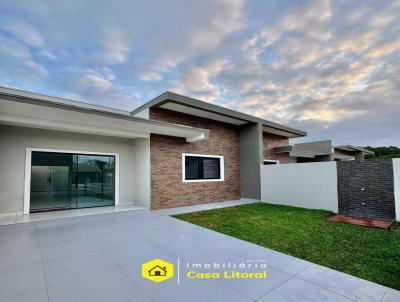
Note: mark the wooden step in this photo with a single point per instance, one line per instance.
(363, 221)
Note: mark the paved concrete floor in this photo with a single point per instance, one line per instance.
(13, 218)
(98, 258)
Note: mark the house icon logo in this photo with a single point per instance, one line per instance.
(157, 270)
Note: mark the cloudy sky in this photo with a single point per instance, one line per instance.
(331, 68)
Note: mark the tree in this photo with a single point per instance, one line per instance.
(384, 152)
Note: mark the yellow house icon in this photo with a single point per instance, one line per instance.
(157, 270)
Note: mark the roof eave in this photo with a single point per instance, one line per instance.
(354, 149)
(284, 131)
(192, 102)
(296, 151)
(191, 134)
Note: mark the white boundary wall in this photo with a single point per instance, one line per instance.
(308, 185)
(396, 172)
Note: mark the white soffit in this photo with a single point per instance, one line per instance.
(279, 132)
(202, 113)
(46, 117)
(342, 156)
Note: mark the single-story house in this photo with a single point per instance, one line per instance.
(172, 151)
(320, 151)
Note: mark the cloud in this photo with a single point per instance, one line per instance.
(18, 65)
(100, 85)
(384, 49)
(328, 67)
(145, 47)
(196, 82)
(115, 48)
(22, 31)
(47, 54)
(21, 45)
(317, 66)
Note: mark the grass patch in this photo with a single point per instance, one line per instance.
(368, 253)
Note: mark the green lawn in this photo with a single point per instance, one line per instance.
(367, 253)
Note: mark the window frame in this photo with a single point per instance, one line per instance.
(221, 168)
(271, 161)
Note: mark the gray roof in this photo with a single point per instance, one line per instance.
(351, 148)
(317, 148)
(60, 101)
(167, 97)
(41, 99)
(21, 96)
(300, 151)
(171, 97)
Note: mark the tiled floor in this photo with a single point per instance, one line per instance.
(98, 258)
(363, 221)
(13, 218)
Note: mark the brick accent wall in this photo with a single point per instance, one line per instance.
(167, 188)
(366, 188)
(270, 141)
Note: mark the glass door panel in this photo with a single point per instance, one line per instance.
(94, 180)
(50, 188)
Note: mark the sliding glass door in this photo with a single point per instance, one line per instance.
(93, 183)
(70, 181)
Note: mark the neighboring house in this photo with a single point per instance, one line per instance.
(320, 151)
(172, 151)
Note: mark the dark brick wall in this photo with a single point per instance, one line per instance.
(167, 188)
(366, 188)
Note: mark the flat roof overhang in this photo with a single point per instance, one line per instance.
(342, 156)
(32, 110)
(297, 151)
(184, 104)
(350, 148)
(282, 132)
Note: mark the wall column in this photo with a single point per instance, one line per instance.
(250, 153)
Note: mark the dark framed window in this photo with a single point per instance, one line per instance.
(270, 162)
(202, 168)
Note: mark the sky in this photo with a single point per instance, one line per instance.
(331, 68)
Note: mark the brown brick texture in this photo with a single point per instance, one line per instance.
(167, 188)
(270, 141)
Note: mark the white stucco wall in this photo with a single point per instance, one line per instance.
(142, 171)
(308, 185)
(396, 172)
(15, 140)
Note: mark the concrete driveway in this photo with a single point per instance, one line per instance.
(99, 257)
